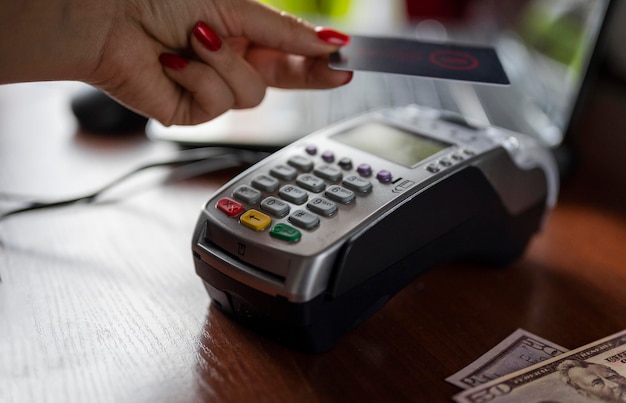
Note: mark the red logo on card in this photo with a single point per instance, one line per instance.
(453, 60)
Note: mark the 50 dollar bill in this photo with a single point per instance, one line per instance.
(592, 373)
(520, 350)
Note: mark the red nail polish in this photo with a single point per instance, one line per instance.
(332, 36)
(173, 61)
(349, 78)
(207, 37)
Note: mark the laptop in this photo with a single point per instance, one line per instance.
(547, 48)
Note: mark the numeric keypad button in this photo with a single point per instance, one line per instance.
(311, 183)
(283, 172)
(265, 183)
(275, 206)
(304, 219)
(301, 163)
(339, 194)
(357, 183)
(321, 206)
(247, 194)
(293, 194)
(328, 172)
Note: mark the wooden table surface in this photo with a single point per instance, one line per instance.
(100, 303)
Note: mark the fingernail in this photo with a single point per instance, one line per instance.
(173, 61)
(349, 78)
(207, 37)
(332, 36)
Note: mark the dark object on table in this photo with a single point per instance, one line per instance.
(98, 113)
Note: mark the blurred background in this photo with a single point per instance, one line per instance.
(557, 31)
(357, 13)
(547, 49)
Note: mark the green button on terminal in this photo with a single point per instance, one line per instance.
(285, 232)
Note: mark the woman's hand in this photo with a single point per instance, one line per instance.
(180, 62)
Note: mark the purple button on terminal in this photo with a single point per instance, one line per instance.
(384, 176)
(328, 156)
(311, 149)
(364, 170)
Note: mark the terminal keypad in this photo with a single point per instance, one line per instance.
(300, 192)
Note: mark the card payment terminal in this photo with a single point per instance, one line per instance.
(309, 242)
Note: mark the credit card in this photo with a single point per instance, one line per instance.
(425, 59)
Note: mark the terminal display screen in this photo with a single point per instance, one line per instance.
(391, 143)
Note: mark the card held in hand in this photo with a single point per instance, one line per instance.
(411, 57)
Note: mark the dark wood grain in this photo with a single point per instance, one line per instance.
(100, 303)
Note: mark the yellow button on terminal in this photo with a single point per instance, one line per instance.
(255, 219)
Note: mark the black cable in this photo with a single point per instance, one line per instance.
(194, 161)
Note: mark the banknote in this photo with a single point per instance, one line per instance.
(592, 373)
(520, 350)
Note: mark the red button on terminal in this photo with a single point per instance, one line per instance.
(229, 207)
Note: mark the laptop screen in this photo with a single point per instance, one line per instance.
(545, 46)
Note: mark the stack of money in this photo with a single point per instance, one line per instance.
(526, 368)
